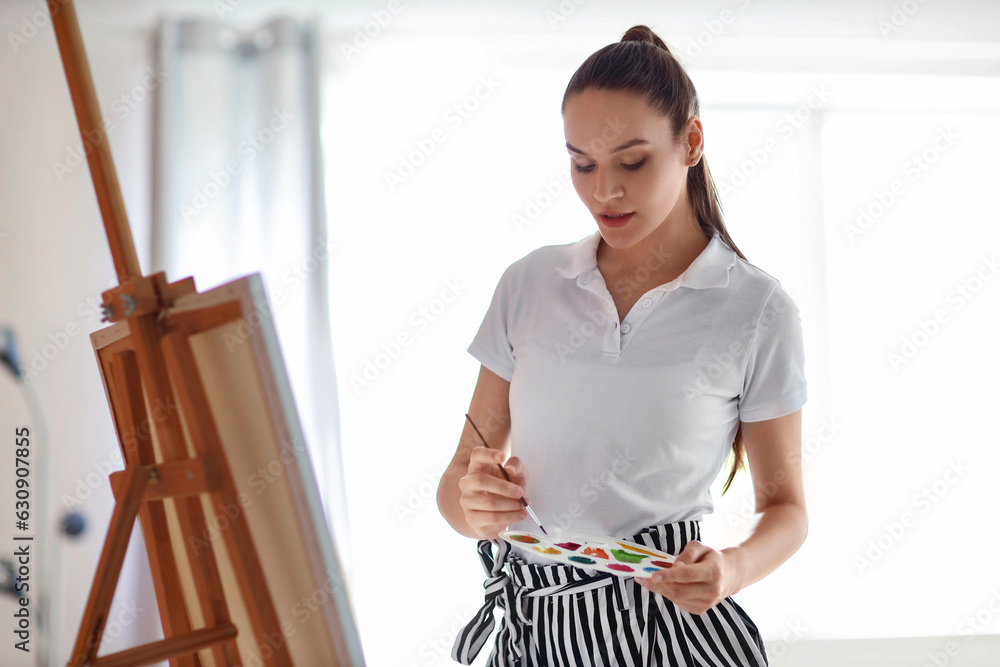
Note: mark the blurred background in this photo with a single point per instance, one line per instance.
(381, 163)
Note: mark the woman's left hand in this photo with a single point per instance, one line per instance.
(700, 578)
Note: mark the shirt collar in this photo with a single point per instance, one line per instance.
(709, 269)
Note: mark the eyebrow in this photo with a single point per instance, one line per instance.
(627, 144)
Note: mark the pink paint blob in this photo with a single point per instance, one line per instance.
(569, 546)
(620, 567)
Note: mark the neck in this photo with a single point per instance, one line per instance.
(664, 254)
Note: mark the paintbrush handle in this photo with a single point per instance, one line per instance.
(505, 475)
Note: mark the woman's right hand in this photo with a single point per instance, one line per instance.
(490, 502)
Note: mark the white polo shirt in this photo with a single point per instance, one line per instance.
(623, 425)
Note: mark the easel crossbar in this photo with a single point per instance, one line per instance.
(168, 648)
(173, 479)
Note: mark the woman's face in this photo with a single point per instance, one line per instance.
(647, 178)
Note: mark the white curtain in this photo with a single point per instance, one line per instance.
(238, 189)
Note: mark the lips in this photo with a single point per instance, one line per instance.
(615, 219)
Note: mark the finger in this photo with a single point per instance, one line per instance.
(474, 483)
(691, 553)
(484, 457)
(517, 476)
(488, 502)
(488, 462)
(684, 574)
(673, 591)
(496, 521)
(515, 468)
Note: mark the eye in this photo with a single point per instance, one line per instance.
(630, 167)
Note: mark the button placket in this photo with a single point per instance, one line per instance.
(637, 316)
(612, 338)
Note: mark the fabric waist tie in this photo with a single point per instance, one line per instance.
(509, 592)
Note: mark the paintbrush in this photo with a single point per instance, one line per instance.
(507, 477)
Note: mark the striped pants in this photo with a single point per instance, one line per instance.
(560, 615)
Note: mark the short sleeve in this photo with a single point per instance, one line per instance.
(492, 344)
(774, 382)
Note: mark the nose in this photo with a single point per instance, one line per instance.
(606, 187)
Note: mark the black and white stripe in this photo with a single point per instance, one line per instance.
(561, 616)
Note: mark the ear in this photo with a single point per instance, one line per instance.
(695, 139)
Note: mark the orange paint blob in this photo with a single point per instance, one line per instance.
(593, 551)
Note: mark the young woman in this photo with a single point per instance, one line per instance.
(621, 370)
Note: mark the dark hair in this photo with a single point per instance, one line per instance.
(642, 64)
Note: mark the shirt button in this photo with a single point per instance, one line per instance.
(585, 278)
(626, 328)
(647, 302)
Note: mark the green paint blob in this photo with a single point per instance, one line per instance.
(581, 559)
(626, 556)
(527, 539)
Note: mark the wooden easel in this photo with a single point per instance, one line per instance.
(157, 360)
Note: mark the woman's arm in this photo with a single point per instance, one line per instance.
(489, 499)
(774, 448)
(702, 576)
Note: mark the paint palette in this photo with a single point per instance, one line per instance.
(592, 552)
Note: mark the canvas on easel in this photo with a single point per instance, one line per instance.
(234, 347)
(243, 563)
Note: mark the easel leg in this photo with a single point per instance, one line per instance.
(109, 567)
(132, 421)
(190, 515)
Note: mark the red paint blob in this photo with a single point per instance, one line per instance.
(569, 546)
(618, 566)
(662, 563)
